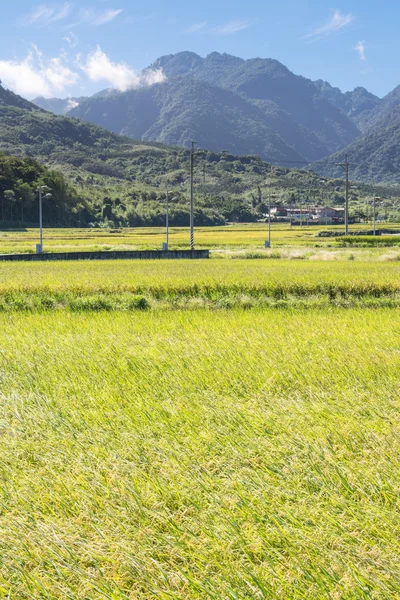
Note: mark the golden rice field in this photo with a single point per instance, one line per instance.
(222, 429)
(108, 285)
(228, 238)
(195, 455)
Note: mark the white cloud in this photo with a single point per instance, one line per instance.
(196, 27)
(360, 49)
(35, 75)
(227, 28)
(92, 17)
(46, 14)
(335, 23)
(230, 27)
(99, 67)
(71, 104)
(71, 39)
(50, 14)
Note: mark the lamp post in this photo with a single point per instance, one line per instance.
(41, 189)
(269, 220)
(192, 151)
(375, 201)
(165, 245)
(269, 207)
(166, 222)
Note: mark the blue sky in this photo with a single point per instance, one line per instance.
(72, 47)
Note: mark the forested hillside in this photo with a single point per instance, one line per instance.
(374, 157)
(19, 182)
(357, 105)
(107, 180)
(223, 102)
(255, 106)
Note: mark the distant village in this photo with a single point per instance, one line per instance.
(308, 216)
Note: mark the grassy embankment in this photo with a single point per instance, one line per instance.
(175, 284)
(199, 455)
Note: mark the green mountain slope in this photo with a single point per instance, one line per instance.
(105, 179)
(374, 157)
(8, 98)
(183, 110)
(119, 181)
(386, 110)
(225, 102)
(276, 90)
(357, 105)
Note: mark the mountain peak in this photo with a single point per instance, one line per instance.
(224, 56)
(176, 65)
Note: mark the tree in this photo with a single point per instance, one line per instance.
(26, 195)
(9, 196)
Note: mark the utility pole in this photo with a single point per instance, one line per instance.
(191, 196)
(345, 166)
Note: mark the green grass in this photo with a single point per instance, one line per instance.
(194, 455)
(159, 441)
(129, 285)
(368, 241)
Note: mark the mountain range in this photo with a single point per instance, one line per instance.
(106, 179)
(223, 102)
(255, 106)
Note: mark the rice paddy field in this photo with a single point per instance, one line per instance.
(225, 240)
(223, 429)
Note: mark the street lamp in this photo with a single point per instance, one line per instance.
(192, 151)
(165, 244)
(41, 189)
(268, 242)
(375, 200)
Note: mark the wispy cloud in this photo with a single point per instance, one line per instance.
(93, 17)
(337, 22)
(49, 14)
(46, 14)
(227, 28)
(230, 27)
(196, 27)
(360, 49)
(71, 39)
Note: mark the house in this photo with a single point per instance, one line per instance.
(330, 216)
(279, 211)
